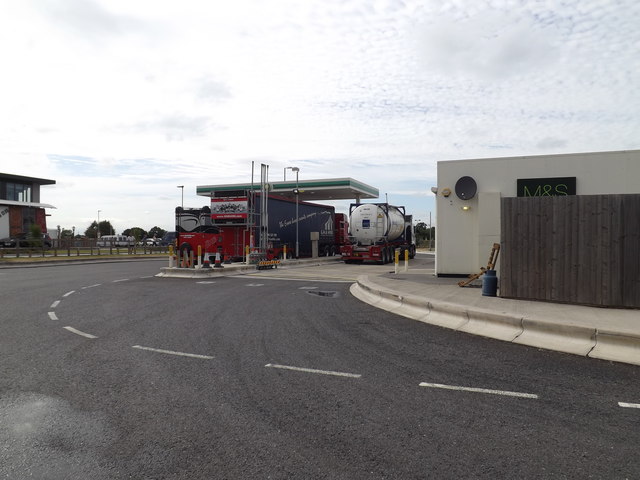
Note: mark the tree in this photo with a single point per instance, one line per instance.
(424, 234)
(66, 233)
(105, 228)
(135, 232)
(157, 232)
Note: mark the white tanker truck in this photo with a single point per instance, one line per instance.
(376, 230)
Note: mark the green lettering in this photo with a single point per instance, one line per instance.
(562, 189)
(537, 193)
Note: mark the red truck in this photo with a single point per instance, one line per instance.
(233, 223)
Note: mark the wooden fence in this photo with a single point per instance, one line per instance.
(581, 249)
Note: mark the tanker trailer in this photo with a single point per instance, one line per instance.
(376, 230)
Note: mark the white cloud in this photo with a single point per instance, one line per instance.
(121, 101)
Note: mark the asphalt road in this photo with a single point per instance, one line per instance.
(108, 372)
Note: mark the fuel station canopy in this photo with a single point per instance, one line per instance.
(308, 190)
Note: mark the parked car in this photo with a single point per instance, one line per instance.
(25, 240)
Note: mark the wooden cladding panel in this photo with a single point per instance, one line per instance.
(573, 249)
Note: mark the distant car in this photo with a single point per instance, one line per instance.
(26, 240)
(152, 242)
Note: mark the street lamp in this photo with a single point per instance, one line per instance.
(182, 188)
(297, 192)
(98, 225)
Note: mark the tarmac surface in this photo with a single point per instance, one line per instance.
(602, 333)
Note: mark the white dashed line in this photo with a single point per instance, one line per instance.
(171, 352)
(629, 405)
(52, 315)
(307, 288)
(121, 280)
(92, 286)
(479, 390)
(254, 284)
(148, 276)
(69, 293)
(312, 370)
(205, 283)
(55, 304)
(78, 332)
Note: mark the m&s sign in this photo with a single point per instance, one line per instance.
(546, 187)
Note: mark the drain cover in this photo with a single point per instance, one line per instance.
(322, 293)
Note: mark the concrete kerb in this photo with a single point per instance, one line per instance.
(575, 339)
(238, 268)
(616, 347)
(523, 330)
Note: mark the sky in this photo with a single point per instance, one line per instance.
(121, 101)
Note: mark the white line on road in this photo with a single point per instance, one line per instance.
(629, 405)
(53, 316)
(121, 280)
(55, 304)
(255, 284)
(148, 276)
(205, 283)
(479, 390)
(312, 370)
(92, 286)
(78, 332)
(307, 288)
(69, 293)
(171, 352)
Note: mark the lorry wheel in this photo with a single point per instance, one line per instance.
(412, 251)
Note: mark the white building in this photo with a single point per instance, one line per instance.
(468, 209)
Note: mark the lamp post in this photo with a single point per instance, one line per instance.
(296, 192)
(181, 187)
(98, 226)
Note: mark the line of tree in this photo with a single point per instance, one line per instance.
(105, 228)
(425, 234)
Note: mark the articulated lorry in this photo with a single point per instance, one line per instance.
(376, 230)
(232, 224)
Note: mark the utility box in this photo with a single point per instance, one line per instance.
(315, 238)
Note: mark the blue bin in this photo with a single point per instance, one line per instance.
(489, 284)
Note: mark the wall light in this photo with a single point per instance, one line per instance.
(466, 207)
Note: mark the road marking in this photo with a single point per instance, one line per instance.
(254, 284)
(69, 293)
(629, 405)
(479, 390)
(205, 283)
(312, 370)
(148, 276)
(171, 352)
(121, 280)
(92, 286)
(78, 332)
(55, 304)
(53, 316)
(307, 288)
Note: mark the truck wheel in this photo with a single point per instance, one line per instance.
(412, 251)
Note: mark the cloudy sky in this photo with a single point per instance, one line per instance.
(120, 101)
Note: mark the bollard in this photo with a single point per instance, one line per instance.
(284, 252)
(171, 258)
(199, 257)
(397, 259)
(246, 254)
(406, 260)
